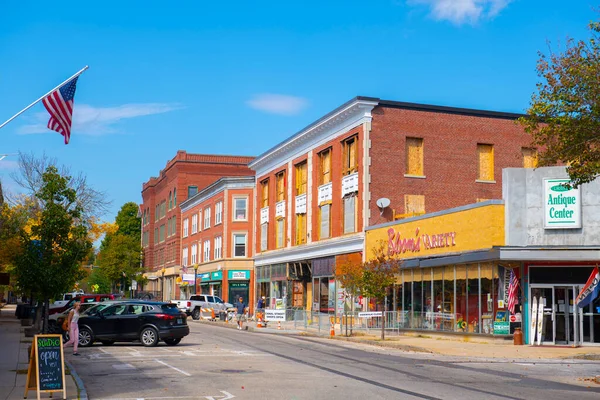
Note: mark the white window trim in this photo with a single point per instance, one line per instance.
(219, 213)
(194, 224)
(200, 221)
(207, 218)
(194, 255)
(218, 249)
(184, 257)
(206, 249)
(185, 227)
(235, 209)
(233, 235)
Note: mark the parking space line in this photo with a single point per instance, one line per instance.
(172, 367)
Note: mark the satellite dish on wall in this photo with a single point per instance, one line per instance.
(383, 202)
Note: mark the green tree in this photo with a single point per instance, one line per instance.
(380, 273)
(120, 259)
(53, 249)
(350, 277)
(97, 277)
(564, 115)
(128, 221)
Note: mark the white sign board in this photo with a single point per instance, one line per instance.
(301, 204)
(562, 206)
(188, 278)
(280, 209)
(264, 215)
(325, 192)
(369, 314)
(349, 184)
(133, 284)
(274, 315)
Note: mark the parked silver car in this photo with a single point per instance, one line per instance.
(196, 302)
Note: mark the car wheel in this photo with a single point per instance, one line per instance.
(108, 342)
(149, 337)
(196, 314)
(172, 342)
(85, 337)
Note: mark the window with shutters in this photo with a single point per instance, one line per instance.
(350, 151)
(218, 212)
(194, 224)
(325, 221)
(239, 245)
(530, 159)
(185, 228)
(325, 167)
(264, 190)
(206, 250)
(264, 237)
(414, 204)
(485, 159)
(349, 214)
(219, 247)
(280, 233)
(414, 156)
(194, 255)
(280, 185)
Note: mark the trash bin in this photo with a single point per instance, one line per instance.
(222, 316)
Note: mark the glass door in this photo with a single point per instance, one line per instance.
(542, 318)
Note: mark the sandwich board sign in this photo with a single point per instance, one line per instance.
(46, 372)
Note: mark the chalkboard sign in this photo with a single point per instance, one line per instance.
(46, 365)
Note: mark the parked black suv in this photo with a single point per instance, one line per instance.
(128, 321)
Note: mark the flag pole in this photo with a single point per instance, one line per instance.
(41, 98)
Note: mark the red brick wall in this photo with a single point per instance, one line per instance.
(450, 157)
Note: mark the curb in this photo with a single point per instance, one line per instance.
(82, 393)
(392, 345)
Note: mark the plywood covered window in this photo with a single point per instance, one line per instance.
(325, 167)
(414, 156)
(350, 147)
(530, 159)
(414, 204)
(280, 184)
(264, 190)
(300, 228)
(485, 158)
(301, 178)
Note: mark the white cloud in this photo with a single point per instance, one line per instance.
(278, 103)
(463, 11)
(90, 120)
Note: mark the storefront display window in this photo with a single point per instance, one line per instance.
(427, 300)
(461, 299)
(407, 279)
(417, 299)
(473, 296)
(488, 297)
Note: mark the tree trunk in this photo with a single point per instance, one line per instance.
(46, 313)
(351, 314)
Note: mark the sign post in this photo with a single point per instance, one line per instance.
(46, 372)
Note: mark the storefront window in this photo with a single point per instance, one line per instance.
(461, 298)
(427, 300)
(449, 317)
(487, 297)
(473, 296)
(418, 299)
(438, 298)
(407, 281)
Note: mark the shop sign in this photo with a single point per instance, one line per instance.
(264, 215)
(398, 245)
(501, 327)
(239, 275)
(188, 278)
(301, 204)
(562, 205)
(216, 276)
(280, 209)
(349, 184)
(205, 276)
(325, 192)
(369, 314)
(242, 285)
(274, 315)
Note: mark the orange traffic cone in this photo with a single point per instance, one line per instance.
(332, 331)
(258, 320)
(279, 325)
(212, 314)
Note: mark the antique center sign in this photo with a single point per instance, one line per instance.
(562, 205)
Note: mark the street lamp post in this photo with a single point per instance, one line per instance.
(163, 284)
(195, 278)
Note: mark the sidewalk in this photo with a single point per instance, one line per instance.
(14, 361)
(458, 346)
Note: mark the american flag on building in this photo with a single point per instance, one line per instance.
(512, 292)
(59, 104)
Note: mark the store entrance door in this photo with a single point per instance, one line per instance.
(561, 318)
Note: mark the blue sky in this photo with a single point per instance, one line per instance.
(239, 77)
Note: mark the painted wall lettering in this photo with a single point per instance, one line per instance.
(399, 245)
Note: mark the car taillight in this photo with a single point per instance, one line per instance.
(189, 303)
(166, 317)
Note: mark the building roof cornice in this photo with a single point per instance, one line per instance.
(236, 182)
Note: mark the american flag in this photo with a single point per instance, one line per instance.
(60, 106)
(512, 292)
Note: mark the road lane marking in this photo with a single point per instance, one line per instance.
(123, 366)
(172, 367)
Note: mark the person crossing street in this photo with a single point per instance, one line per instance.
(241, 309)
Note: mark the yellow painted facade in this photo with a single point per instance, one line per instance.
(476, 228)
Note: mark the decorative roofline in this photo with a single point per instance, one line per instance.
(237, 182)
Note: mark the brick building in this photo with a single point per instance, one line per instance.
(182, 178)
(217, 232)
(318, 190)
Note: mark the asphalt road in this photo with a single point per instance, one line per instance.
(220, 363)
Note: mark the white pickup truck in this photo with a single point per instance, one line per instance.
(196, 302)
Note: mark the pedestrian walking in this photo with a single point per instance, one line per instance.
(261, 303)
(73, 324)
(241, 309)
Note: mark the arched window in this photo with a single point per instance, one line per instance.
(175, 197)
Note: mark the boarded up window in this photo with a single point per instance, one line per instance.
(350, 155)
(280, 234)
(264, 189)
(280, 177)
(529, 157)
(300, 228)
(325, 167)
(324, 232)
(301, 171)
(350, 214)
(414, 156)
(485, 155)
(414, 204)
(264, 235)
